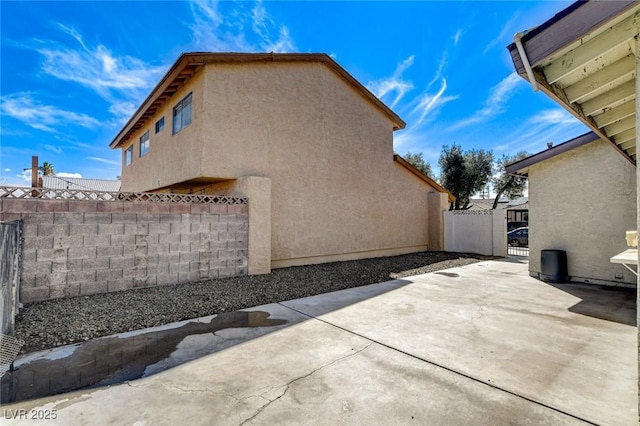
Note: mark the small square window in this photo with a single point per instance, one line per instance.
(128, 155)
(182, 114)
(159, 125)
(144, 143)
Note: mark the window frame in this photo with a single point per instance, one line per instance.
(144, 142)
(178, 116)
(129, 157)
(160, 125)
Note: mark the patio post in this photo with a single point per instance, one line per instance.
(637, 123)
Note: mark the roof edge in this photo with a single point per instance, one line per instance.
(203, 58)
(519, 167)
(565, 27)
(397, 158)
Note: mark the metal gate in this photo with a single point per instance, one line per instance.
(10, 251)
(518, 236)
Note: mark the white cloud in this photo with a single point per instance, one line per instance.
(120, 80)
(98, 69)
(282, 44)
(506, 28)
(264, 26)
(494, 104)
(239, 30)
(394, 84)
(7, 170)
(105, 161)
(553, 116)
(52, 148)
(75, 144)
(428, 103)
(69, 175)
(25, 175)
(441, 66)
(532, 134)
(23, 107)
(122, 110)
(456, 37)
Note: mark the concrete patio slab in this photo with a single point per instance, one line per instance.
(480, 344)
(568, 346)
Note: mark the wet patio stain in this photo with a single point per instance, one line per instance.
(111, 360)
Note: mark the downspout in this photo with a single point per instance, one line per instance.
(517, 39)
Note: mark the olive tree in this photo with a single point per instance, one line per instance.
(464, 173)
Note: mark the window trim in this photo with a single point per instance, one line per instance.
(146, 142)
(178, 109)
(130, 151)
(160, 125)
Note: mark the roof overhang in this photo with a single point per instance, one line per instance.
(191, 183)
(189, 63)
(521, 168)
(398, 159)
(585, 59)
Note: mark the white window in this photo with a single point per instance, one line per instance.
(182, 114)
(128, 155)
(144, 143)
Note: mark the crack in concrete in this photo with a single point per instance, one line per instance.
(212, 392)
(444, 367)
(288, 385)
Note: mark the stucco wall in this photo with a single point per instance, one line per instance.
(583, 201)
(336, 192)
(170, 156)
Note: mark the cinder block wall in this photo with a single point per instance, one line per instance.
(74, 248)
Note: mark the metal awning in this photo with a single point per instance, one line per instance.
(585, 58)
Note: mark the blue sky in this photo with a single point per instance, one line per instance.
(71, 73)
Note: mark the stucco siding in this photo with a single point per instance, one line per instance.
(583, 201)
(335, 188)
(171, 158)
(328, 153)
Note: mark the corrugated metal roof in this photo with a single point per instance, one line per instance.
(518, 202)
(55, 182)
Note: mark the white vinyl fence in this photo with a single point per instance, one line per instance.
(476, 231)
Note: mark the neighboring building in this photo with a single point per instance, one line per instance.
(582, 200)
(80, 184)
(486, 203)
(587, 59)
(517, 209)
(306, 143)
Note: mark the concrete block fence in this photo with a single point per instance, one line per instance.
(74, 248)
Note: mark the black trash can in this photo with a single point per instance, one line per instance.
(553, 266)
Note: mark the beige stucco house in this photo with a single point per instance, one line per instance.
(574, 206)
(587, 58)
(310, 147)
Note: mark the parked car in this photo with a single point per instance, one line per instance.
(514, 225)
(518, 237)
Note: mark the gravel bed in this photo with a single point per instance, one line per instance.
(52, 323)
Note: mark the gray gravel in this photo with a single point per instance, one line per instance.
(44, 325)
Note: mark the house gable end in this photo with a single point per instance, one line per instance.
(190, 63)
